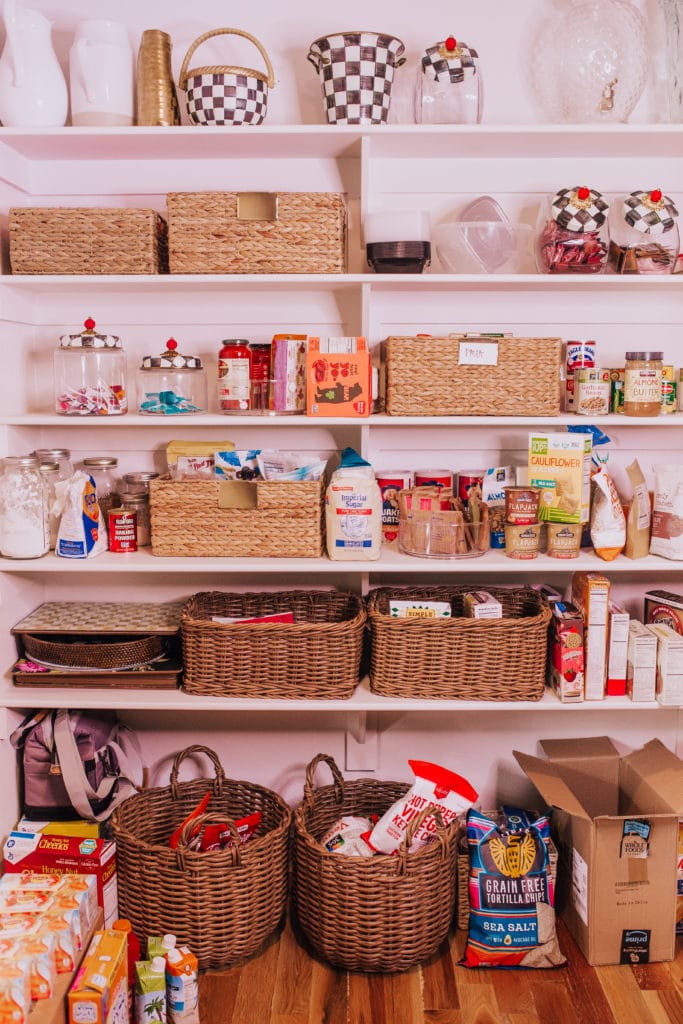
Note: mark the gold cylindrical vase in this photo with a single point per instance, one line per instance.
(156, 92)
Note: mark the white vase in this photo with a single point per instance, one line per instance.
(33, 91)
(101, 80)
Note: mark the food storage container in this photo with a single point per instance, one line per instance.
(90, 374)
(101, 469)
(573, 233)
(448, 88)
(643, 234)
(171, 383)
(24, 527)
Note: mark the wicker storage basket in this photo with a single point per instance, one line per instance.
(217, 233)
(424, 377)
(459, 658)
(318, 655)
(286, 521)
(57, 240)
(93, 652)
(380, 913)
(222, 903)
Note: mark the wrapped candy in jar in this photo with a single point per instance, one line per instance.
(643, 234)
(90, 374)
(573, 232)
(448, 87)
(171, 383)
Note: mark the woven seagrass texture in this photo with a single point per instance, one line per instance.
(60, 240)
(317, 655)
(90, 652)
(287, 522)
(222, 903)
(425, 378)
(206, 236)
(385, 913)
(459, 658)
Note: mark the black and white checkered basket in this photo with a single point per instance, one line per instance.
(579, 209)
(225, 94)
(357, 70)
(650, 212)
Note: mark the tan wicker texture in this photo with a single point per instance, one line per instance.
(459, 658)
(381, 913)
(91, 652)
(316, 656)
(425, 378)
(287, 522)
(206, 236)
(222, 903)
(57, 240)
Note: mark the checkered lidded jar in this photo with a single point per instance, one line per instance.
(357, 71)
(573, 234)
(644, 236)
(448, 88)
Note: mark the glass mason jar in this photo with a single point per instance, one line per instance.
(171, 384)
(90, 374)
(135, 483)
(50, 473)
(138, 502)
(62, 456)
(448, 86)
(24, 527)
(643, 233)
(101, 469)
(572, 236)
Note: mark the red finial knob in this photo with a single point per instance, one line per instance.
(583, 192)
(656, 195)
(451, 43)
(172, 344)
(89, 324)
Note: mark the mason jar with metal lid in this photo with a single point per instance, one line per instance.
(24, 528)
(60, 455)
(50, 474)
(138, 502)
(101, 469)
(171, 383)
(643, 383)
(90, 374)
(136, 482)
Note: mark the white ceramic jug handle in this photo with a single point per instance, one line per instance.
(81, 59)
(9, 12)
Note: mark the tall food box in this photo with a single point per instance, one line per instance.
(99, 994)
(560, 465)
(590, 593)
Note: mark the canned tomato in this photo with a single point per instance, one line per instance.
(577, 355)
(390, 482)
(433, 478)
(469, 481)
(123, 533)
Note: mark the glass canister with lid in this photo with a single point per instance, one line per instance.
(101, 469)
(448, 89)
(573, 232)
(643, 383)
(644, 235)
(138, 502)
(90, 374)
(50, 473)
(62, 456)
(171, 383)
(135, 483)
(24, 527)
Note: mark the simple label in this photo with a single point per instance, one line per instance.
(580, 885)
(478, 353)
(635, 946)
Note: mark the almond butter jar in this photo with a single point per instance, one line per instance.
(643, 383)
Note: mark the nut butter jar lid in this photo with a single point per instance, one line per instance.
(644, 356)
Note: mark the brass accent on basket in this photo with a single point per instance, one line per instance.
(257, 205)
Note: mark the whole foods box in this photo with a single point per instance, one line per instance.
(62, 855)
(615, 822)
(560, 465)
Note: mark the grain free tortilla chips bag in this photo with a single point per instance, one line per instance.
(512, 920)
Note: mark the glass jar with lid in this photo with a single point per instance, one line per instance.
(171, 383)
(643, 234)
(101, 469)
(90, 374)
(138, 502)
(572, 236)
(62, 456)
(643, 383)
(134, 483)
(448, 89)
(50, 473)
(24, 527)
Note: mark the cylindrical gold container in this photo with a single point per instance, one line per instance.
(156, 93)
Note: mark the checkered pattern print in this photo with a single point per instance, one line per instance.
(648, 216)
(450, 66)
(226, 98)
(574, 214)
(357, 71)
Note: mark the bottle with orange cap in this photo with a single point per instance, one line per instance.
(644, 236)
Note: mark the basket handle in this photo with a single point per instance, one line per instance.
(196, 825)
(404, 848)
(336, 774)
(217, 68)
(196, 748)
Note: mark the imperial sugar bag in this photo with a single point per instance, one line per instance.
(512, 920)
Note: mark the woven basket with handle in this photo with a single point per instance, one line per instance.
(220, 94)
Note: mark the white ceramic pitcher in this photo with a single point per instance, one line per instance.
(33, 91)
(101, 79)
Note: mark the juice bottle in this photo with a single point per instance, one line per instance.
(182, 991)
(150, 991)
(234, 373)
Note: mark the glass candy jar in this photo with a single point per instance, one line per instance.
(90, 374)
(171, 383)
(448, 88)
(643, 234)
(24, 526)
(573, 234)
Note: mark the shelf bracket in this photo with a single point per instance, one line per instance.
(361, 742)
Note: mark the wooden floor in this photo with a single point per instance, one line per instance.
(285, 986)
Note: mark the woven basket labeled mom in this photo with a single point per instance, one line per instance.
(459, 658)
(222, 903)
(222, 94)
(388, 912)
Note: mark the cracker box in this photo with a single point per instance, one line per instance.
(641, 667)
(567, 653)
(99, 994)
(52, 854)
(479, 604)
(338, 377)
(590, 592)
(669, 686)
(560, 465)
(617, 654)
(665, 607)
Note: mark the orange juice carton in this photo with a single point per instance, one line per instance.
(54, 854)
(641, 668)
(20, 923)
(669, 686)
(182, 991)
(84, 889)
(338, 377)
(567, 652)
(15, 992)
(99, 993)
(39, 950)
(479, 604)
(590, 593)
(617, 657)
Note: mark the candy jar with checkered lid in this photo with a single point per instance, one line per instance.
(90, 374)
(448, 87)
(643, 234)
(171, 384)
(573, 234)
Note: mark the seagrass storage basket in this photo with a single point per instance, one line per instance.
(388, 912)
(442, 377)
(459, 658)
(75, 240)
(316, 656)
(267, 518)
(222, 903)
(256, 233)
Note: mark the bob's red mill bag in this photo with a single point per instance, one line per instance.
(512, 920)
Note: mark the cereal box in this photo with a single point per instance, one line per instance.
(669, 688)
(641, 668)
(590, 592)
(567, 654)
(618, 650)
(560, 465)
(338, 377)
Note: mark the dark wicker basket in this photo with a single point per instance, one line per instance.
(382, 913)
(222, 903)
(101, 652)
(316, 656)
(459, 658)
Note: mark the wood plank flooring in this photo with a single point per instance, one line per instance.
(283, 985)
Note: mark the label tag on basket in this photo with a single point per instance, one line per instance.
(238, 494)
(257, 205)
(478, 353)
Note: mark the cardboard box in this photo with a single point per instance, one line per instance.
(669, 682)
(590, 593)
(615, 822)
(665, 607)
(33, 851)
(560, 465)
(641, 668)
(567, 654)
(617, 651)
(338, 377)
(99, 994)
(479, 604)
(77, 827)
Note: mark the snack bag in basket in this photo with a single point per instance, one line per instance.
(512, 920)
(433, 787)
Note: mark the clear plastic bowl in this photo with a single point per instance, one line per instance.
(482, 247)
